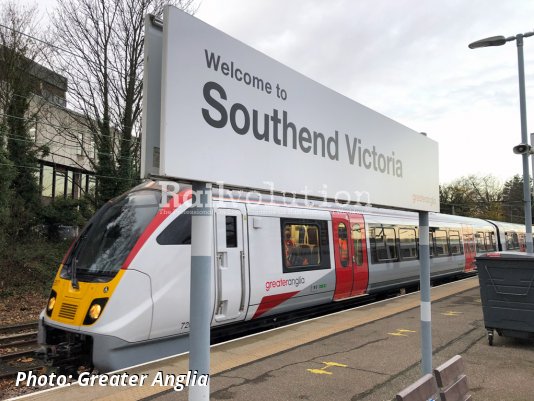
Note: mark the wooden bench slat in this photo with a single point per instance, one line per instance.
(423, 389)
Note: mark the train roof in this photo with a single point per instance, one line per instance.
(269, 199)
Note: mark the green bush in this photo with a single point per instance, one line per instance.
(30, 266)
(65, 212)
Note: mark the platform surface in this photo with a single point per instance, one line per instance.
(368, 353)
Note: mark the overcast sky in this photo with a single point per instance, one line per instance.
(409, 60)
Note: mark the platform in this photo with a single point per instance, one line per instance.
(367, 353)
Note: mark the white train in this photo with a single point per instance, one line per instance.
(121, 294)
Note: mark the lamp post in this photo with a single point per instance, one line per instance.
(499, 41)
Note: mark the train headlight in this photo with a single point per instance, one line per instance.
(95, 310)
(51, 303)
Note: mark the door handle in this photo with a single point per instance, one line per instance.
(242, 304)
(219, 282)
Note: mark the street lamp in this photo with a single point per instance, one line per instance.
(499, 41)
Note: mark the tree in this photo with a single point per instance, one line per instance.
(104, 65)
(473, 196)
(514, 207)
(19, 75)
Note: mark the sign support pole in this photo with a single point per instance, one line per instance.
(201, 287)
(426, 314)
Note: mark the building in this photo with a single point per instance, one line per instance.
(66, 170)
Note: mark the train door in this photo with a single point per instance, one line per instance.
(350, 255)
(359, 254)
(231, 273)
(469, 248)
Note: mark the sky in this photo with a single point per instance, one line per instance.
(408, 60)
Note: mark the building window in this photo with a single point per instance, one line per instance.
(48, 178)
(77, 185)
(60, 183)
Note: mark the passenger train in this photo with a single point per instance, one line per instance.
(121, 294)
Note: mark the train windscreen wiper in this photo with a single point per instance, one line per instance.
(74, 257)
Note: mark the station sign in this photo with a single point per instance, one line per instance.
(232, 115)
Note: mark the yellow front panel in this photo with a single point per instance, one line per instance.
(72, 304)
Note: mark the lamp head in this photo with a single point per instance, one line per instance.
(491, 41)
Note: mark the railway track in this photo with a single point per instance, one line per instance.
(18, 344)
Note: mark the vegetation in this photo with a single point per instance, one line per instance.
(104, 69)
(98, 46)
(484, 197)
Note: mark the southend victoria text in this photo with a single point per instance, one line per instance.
(278, 128)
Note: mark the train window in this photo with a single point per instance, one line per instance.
(178, 232)
(343, 244)
(512, 241)
(111, 235)
(383, 244)
(485, 241)
(304, 245)
(231, 231)
(491, 243)
(522, 242)
(480, 242)
(431, 242)
(454, 243)
(357, 244)
(441, 247)
(408, 243)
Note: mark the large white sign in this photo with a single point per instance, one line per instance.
(231, 114)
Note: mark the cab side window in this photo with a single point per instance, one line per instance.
(178, 232)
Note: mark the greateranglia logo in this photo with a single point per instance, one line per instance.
(294, 282)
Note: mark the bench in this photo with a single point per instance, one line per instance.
(449, 377)
(452, 380)
(423, 389)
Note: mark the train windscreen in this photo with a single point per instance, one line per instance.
(110, 236)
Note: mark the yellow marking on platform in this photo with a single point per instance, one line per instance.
(400, 332)
(319, 371)
(339, 365)
(327, 365)
(451, 313)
